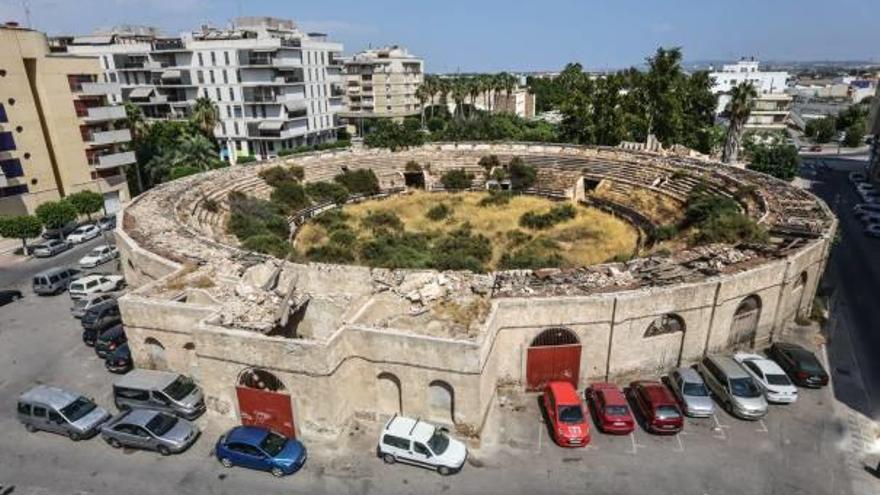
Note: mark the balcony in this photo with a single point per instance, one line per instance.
(289, 80)
(98, 89)
(113, 160)
(168, 44)
(260, 98)
(102, 114)
(109, 137)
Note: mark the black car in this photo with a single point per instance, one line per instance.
(97, 320)
(7, 296)
(802, 366)
(109, 340)
(119, 361)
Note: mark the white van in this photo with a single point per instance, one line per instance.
(413, 441)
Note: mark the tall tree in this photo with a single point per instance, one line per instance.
(56, 214)
(21, 227)
(205, 116)
(422, 95)
(137, 126)
(738, 111)
(664, 105)
(86, 202)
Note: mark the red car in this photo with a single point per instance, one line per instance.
(566, 414)
(657, 406)
(611, 409)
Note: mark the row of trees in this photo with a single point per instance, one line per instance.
(852, 122)
(464, 89)
(51, 215)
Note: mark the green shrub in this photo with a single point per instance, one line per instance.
(382, 220)
(278, 174)
(557, 214)
(496, 198)
(718, 219)
(522, 176)
(439, 212)
(179, 172)
(289, 196)
(779, 160)
(267, 244)
(456, 180)
(529, 259)
(327, 192)
(343, 237)
(461, 250)
(412, 166)
(489, 162)
(517, 237)
(362, 181)
(404, 250)
(246, 159)
(331, 253)
(251, 217)
(666, 232)
(333, 219)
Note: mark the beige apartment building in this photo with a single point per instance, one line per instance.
(58, 133)
(382, 83)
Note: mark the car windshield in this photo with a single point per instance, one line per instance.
(744, 387)
(616, 410)
(695, 389)
(571, 414)
(778, 380)
(273, 444)
(78, 409)
(667, 412)
(161, 423)
(807, 362)
(438, 442)
(180, 388)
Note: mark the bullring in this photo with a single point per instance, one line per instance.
(331, 342)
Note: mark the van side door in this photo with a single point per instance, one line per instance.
(40, 417)
(422, 455)
(57, 422)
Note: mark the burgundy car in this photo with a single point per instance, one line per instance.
(657, 406)
(610, 409)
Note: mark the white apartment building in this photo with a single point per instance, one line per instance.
(275, 86)
(773, 105)
(382, 82)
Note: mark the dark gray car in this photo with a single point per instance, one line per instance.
(151, 430)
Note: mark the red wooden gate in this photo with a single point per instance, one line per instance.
(557, 362)
(265, 408)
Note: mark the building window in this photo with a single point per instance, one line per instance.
(218, 93)
(225, 77)
(211, 76)
(201, 61)
(7, 143)
(3, 117)
(13, 191)
(235, 126)
(226, 57)
(213, 58)
(228, 114)
(231, 94)
(11, 168)
(200, 77)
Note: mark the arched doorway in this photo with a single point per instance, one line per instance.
(744, 327)
(389, 398)
(441, 401)
(554, 354)
(155, 351)
(263, 400)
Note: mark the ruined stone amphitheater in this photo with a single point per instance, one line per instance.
(308, 347)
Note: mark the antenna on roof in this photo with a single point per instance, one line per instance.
(27, 12)
(414, 426)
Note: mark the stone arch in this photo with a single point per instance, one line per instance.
(441, 401)
(744, 326)
(189, 346)
(155, 351)
(555, 336)
(389, 393)
(665, 324)
(554, 354)
(260, 379)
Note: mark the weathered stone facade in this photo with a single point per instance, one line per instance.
(346, 340)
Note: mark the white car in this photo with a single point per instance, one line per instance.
(83, 233)
(94, 284)
(416, 442)
(769, 376)
(98, 255)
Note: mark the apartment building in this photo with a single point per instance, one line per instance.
(275, 86)
(772, 106)
(519, 102)
(59, 132)
(382, 83)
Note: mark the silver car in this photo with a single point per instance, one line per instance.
(57, 410)
(151, 430)
(734, 388)
(691, 392)
(50, 248)
(82, 306)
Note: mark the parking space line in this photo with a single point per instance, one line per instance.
(635, 445)
(720, 429)
(763, 428)
(540, 434)
(680, 447)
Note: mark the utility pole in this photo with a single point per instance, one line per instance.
(27, 13)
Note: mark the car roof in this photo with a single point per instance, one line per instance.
(656, 392)
(139, 417)
(144, 379)
(89, 278)
(689, 375)
(251, 435)
(563, 392)
(114, 331)
(404, 427)
(55, 397)
(729, 366)
(611, 393)
(52, 271)
(765, 365)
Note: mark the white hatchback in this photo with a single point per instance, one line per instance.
(769, 376)
(97, 256)
(413, 441)
(83, 233)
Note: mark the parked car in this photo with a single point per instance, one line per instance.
(151, 430)
(50, 248)
(83, 233)
(610, 409)
(119, 361)
(870, 196)
(8, 296)
(82, 306)
(800, 364)
(816, 147)
(100, 318)
(57, 410)
(658, 408)
(95, 284)
(769, 376)
(60, 233)
(866, 207)
(734, 388)
(568, 422)
(857, 177)
(98, 256)
(54, 280)
(108, 341)
(872, 230)
(869, 218)
(691, 392)
(160, 390)
(413, 441)
(106, 223)
(90, 336)
(260, 448)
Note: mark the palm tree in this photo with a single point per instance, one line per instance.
(205, 116)
(190, 151)
(137, 126)
(459, 92)
(473, 88)
(422, 95)
(738, 111)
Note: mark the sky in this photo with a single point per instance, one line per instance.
(516, 35)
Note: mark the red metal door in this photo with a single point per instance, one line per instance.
(264, 408)
(548, 363)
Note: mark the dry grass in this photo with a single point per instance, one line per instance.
(591, 237)
(658, 207)
(463, 314)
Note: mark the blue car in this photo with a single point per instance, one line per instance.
(260, 448)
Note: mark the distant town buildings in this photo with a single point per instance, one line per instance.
(845, 89)
(275, 86)
(382, 83)
(59, 131)
(772, 107)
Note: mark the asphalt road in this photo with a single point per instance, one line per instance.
(17, 274)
